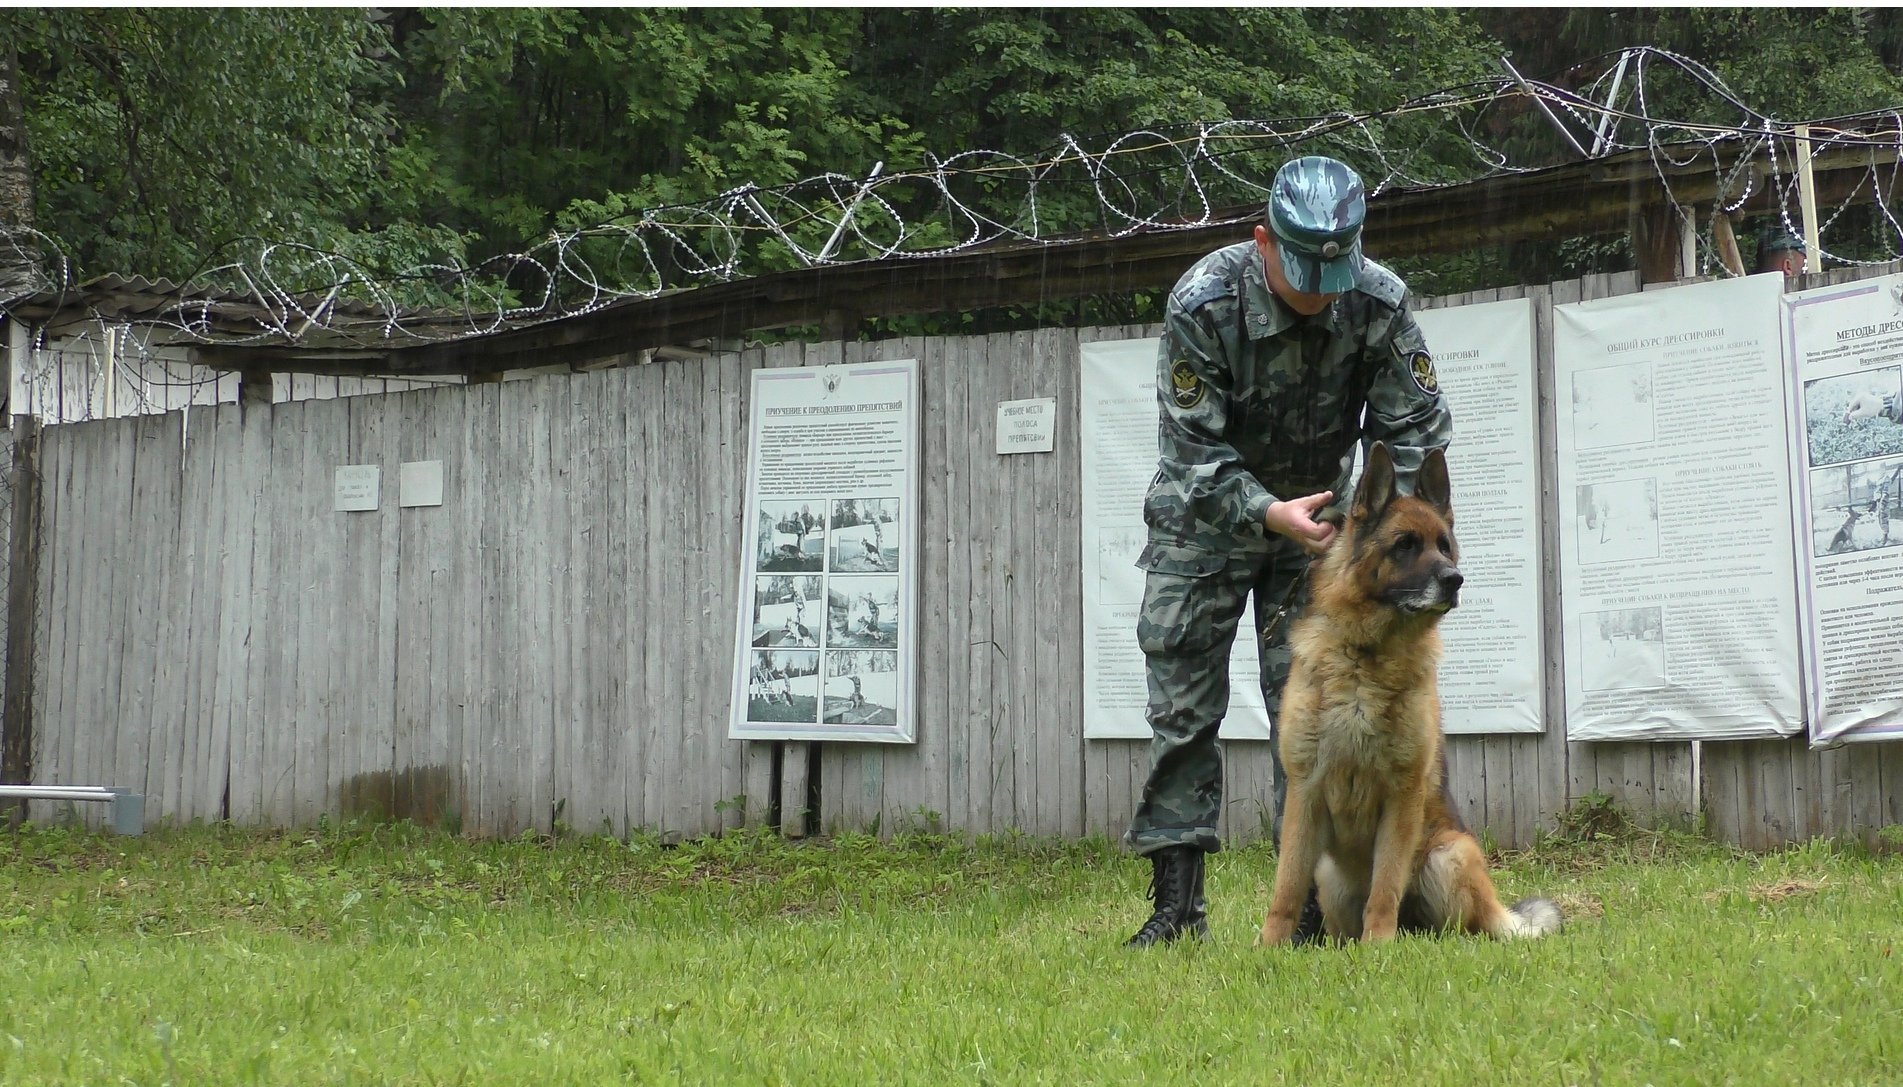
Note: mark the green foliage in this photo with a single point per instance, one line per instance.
(167, 140)
(162, 137)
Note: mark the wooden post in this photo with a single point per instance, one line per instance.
(1807, 202)
(1687, 242)
(1726, 242)
(1656, 242)
(23, 593)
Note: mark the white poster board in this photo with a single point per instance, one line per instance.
(1117, 419)
(1677, 569)
(1490, 672)
(826, 637)
(1846, 346)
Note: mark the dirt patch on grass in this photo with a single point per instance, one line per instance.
(1579, 906)
(1770, 894)
(1785, 888)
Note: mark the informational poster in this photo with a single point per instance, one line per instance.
(1676, 561)
(1846, 345)
(1118, 415)
(829, 573)
(1490, 673)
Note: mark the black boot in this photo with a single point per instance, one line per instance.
(1176, 885)
(1308, 929)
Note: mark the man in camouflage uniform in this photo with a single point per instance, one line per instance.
(1278, 355)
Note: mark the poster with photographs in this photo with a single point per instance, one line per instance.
(826, 629)
(1674, 487)
(1846, 345)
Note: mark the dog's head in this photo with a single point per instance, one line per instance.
(1398, 550)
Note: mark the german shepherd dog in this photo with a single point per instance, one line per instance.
(1367, 821)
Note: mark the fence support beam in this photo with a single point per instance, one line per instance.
(1657, 242)
(23, 595)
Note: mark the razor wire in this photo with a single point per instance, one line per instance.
(1160, 178)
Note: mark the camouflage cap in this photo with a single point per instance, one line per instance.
(1316, 206)
(1776, 239)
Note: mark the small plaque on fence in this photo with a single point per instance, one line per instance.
(420, 483)
(1027, 426)
(358, 487)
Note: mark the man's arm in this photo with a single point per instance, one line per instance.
(1202, 476)
(1405, 406)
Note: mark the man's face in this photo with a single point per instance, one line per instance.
(1302, 302)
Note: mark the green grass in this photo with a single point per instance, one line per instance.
(388, 954)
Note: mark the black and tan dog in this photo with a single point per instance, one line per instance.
(1366, 819)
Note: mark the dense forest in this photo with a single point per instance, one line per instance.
(154, 140)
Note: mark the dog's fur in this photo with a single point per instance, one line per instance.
(1366, 820)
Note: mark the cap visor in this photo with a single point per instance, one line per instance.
(1313, 275)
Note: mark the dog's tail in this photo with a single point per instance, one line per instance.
(1532, 917)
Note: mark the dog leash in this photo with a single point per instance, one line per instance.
(1287, 603)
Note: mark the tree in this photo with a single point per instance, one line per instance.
(162, 138)
(19, 250)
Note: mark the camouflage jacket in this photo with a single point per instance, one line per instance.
(1259, 404)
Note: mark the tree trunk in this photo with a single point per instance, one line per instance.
(19, 247)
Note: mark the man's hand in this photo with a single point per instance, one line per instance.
(1295, 519)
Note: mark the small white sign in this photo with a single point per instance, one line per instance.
(358, 487)
(420, 483)
(1027, 426)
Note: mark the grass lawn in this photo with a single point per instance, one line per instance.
(390, 954)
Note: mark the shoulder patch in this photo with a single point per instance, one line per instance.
(1186, 386)
(1420, 365)
(1380, 284)
(1201, 291)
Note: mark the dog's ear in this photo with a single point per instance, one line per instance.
(1432, 485)
(1376, 488)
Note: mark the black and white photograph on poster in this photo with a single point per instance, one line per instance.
(862, 612)
(864, 535)
(783, 686)
(1612, 405)
(1854, 416)
(786, 611)
(1618, 521)
(1856, 507)
(831, 502)
(1622, 649)
(861, 687)
(791, 536)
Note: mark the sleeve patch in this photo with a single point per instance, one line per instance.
(1186, 387)
(1421, 365)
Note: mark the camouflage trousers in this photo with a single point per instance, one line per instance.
(1192, 604)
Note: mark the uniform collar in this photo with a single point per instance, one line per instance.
(1259, 302)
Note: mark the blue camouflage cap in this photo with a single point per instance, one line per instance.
(1316, 206)
(1777, 239)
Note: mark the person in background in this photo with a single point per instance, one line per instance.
(1779, 250)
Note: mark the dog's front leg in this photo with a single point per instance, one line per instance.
(1294, 866)
(1397, 842)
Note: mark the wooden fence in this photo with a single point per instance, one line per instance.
(554, 642)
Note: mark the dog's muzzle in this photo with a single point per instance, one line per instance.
(1439, 595)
